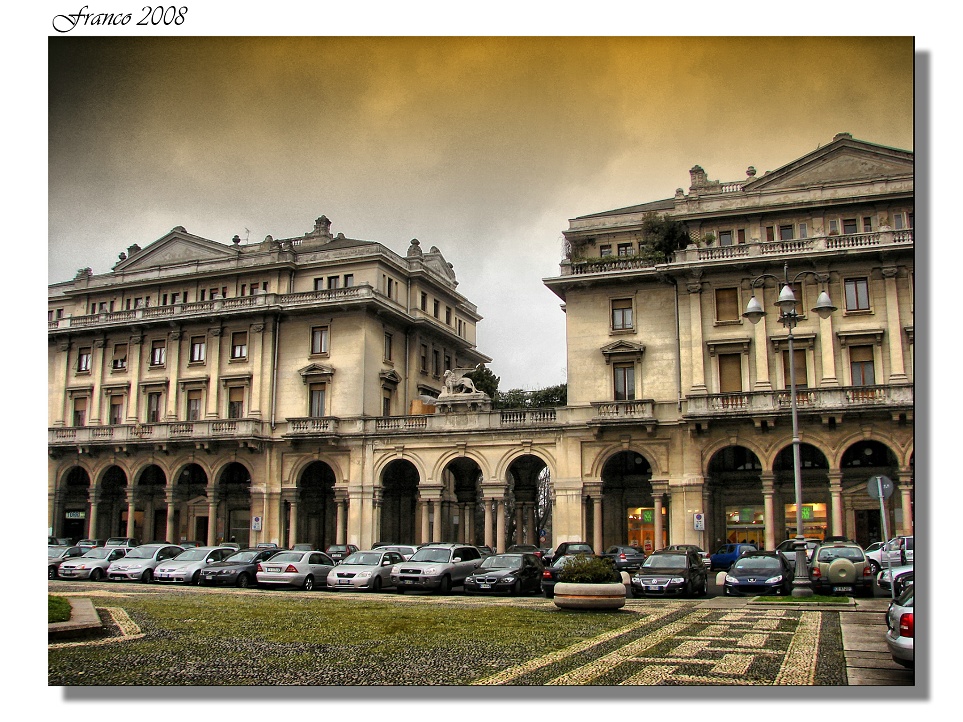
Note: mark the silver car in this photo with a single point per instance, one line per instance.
(901, 629)
(436, 567)
(140, 562)
(57, 555)
(92, 564)
(186, 567)
(405, 550)
(367, 570)
(297, 569)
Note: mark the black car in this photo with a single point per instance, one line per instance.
(524, 549)
(237, 570)
(671, 574)
(578, 547)
(507, 573)
(550, 573)
(625, 558)
(339, 552)
(759, 573)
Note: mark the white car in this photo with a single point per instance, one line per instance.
(186, 567)
(92, 564)
(367, 570)
(140, 562)
(897, 551)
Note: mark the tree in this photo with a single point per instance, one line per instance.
(485, 381)
(661, 237)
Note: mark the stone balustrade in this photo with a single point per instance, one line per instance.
(163, 432)
(829, 399)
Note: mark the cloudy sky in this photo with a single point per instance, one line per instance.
(483, 147)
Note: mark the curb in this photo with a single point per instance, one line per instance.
(83, 617)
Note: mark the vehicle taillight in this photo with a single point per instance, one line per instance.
(622, 557)
(546, 574)
(906, 624)
(816, 573)
(259, 567)
(867, 571)
(290, 569)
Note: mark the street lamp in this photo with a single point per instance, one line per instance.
(788, 317)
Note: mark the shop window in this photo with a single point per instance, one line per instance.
(319, 340)
(799, 359)
(857, 294)
(727, 304)
(235, 402)
(83, 360)
(80, 411)
(730, 373)
(316, 402)
(194, 405)
(239, 345)
(862, 366)
(624, 377)
(622, 314)
(198, 349)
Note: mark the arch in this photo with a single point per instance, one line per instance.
(860, 460)
(461, 510)
(191, 517)
(529, 502)
(736, 511)
(301, 464)
(177, 471)
(73, 496)
(507, 459)
(848, 441)
(233, 488)
(315, 506)
(711, 450)
(605, 455)
(627, 503)
(816, 500)
(113, 495)
(452, 455)
(385, 461)
(399, 481)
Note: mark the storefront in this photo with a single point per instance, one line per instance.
(641, 526)
(746, 525)
(815, 521)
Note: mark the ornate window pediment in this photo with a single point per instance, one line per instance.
(622, 350)
(800, 340)
(728, 345)
(389, 379)
(316, 373)
(860, 337)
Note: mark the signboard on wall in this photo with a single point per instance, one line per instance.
(807, 513)
(255, 523)
(648, 516)
(699, 522)
(75, 515)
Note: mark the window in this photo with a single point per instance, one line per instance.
(386, 405)
(387, 347)
(448, 315)
(857, 294)
(447, 362)
(176, 298)
(243, 289)
(424, 302)
(334, 282)
(624, 249)
(849, 225)
(318, 284)
(833, 227)
(158, 352)
(203, 296)
(624, 382)
(198, 349)
(389, 287)
(725, 238)
(621, 314)
(116, 416)
(605, 250)
(424, 358)
(119, 360)
(153, 407)
(316, 401)
(80, 411)
(235, 402)
(434, 308)
(799, 360)
(730, 373)
(803, 230)
(435, 363)
(348, 281)
(861, 365)
(867, 224)
(770, 234)
(194, 405)
(319, 339)
(255, 287)
(163, 300)
(786, 232)
(83, 359)
(727, 304)
(902, 221)
(239, 345)
(741, 235)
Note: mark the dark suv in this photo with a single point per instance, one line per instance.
(626, 558)
(437, 567)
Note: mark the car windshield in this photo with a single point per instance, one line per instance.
(757, 564)
(906, 598)
(563, 560)
(192, 555)
(431, 555)
(55, 551)
(99, 553)
(242, 557)
(367, 559)
(502, 561)
(142, 553)
(337, 548)
(851, 553)
(665, 561)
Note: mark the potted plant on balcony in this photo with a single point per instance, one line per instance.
(589, 582)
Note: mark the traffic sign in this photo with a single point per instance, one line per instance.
(880, 486)
(255, 523)
(699, 521)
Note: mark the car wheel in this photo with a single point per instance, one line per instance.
(147, 576)
(704, 592)
(51, 572)
(196, 579)
(308, 584)
(445, 586)
(549, 593)
(243, 581)
(96, 575)
(399, 589)
(376, 584)
(875, 567)
(516, 588)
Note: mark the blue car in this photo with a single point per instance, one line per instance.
(728, 553)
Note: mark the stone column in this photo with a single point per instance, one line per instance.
(174, 364)
(171, 534)
(500, 524)
(92, 516)
(532, 523)
(339, 523)
(211, 518)
(906, 501)
(827, 348)
(131, 508)
(836, 498)
(897, 371)
(437, 507)
(66, 410)
(768, 508)
(134, 363)
(597, 524)
(761, 342)
(657, 512)
(519, 524)
(708, 540)
(694, 288)
(584, 502)
(97, 375)
(425, 524)
(149, 519)
(214, 361)
(257, 350)
(489, 541)
(469, 518)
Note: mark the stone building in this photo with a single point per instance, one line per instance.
(298, 390)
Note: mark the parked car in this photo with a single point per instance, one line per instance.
(903, 576)
(671, 574)
(305, 547)
(266, 545)
(900, 628)
(759, 573)
(550, 573)
(437, 568)
(122, 541)
(237, 570)
(704, 555)
(728, 553)
(405, 550)
(897, 551)
(92, 564)
(59, 541)
(625, 558)
(841, 568)
(186, 567)
(547, 555)
(90, 543)
(486, 551)
(788, 549)
(578, 547)
(186, 544)
(306, 570)
(338, 552)
(367, 570)
(872, 547)
(524, 549)
(139, 563)
(509, 573)
(57, 555)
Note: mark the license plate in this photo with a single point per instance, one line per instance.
(842, 589)
(409, 581)
(652, 587)
(344, 581)
(274, 569)
(485, 586)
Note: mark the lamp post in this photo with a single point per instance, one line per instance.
(789, 317)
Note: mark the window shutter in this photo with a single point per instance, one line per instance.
(730, 373)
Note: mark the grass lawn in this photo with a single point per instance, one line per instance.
(319, 639)
(58, 609)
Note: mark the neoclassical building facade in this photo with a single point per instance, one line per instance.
(294, 390)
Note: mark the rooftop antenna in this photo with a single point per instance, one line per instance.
(247, 237)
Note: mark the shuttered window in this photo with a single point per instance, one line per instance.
(119, 361)
(862, 365)
(727, 304)
(799, 357)
(193, 405)
(730, 373)
(235, 403)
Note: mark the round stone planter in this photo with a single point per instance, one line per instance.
(589, 596)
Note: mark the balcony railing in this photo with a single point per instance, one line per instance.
(614, 410)
(527, 417)
(155, 433)
(829, 399)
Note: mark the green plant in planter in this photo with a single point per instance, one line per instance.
(584, 569)
(709, 238)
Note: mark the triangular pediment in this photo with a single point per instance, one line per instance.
(622, 348)
(437, 263)
(175, 248)
(844, 160)
(316, 372)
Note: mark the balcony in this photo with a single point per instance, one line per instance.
(898, 399)
(203, 432)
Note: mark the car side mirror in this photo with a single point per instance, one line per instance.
(456, 560)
